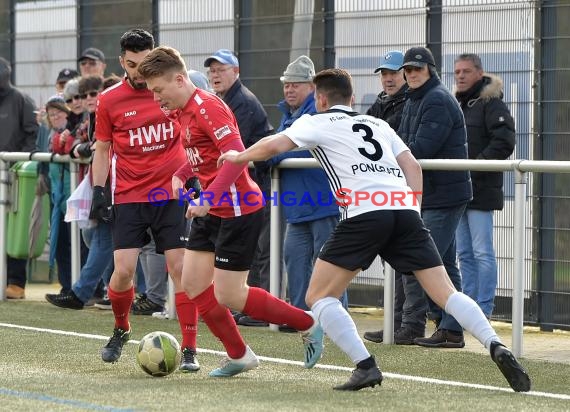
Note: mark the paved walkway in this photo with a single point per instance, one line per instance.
(549, 346)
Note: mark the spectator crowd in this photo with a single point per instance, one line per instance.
(127, 254)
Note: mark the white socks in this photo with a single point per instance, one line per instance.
(471, 318)
(340, 328)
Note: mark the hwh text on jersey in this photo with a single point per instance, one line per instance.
(194, 156)
(151, 134)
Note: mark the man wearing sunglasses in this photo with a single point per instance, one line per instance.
(92, 63)
(433, 127)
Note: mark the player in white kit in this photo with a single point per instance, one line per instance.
(378, 185)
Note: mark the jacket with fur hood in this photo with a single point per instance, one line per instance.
(490, 135)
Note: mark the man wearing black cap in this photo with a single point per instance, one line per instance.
(19, 128)
(63, 77)
(92, 62)
(433, 127)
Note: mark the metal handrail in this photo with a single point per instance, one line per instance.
(5, 159)
(519, 167)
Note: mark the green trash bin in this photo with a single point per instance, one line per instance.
(22, 195)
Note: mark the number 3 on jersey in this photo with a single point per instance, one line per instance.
(366, 134)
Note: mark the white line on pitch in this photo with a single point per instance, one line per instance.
(329, 367)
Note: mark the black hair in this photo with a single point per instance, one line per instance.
(136, 40)
(336, 84)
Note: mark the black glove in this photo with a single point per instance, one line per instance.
(84, 149)
(194, 184)
(100, 208)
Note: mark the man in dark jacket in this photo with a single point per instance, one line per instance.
(490, 135)
(388, 107)
(390, 102)
(19, 130)
(434, 128)
(251, 117)
(309, 222)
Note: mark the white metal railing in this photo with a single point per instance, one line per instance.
(519, 167)
(5, 159)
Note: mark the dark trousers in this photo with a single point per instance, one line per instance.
(399, 298)
(16, 271)
(259, 271)
(442, 224)
(414, 308)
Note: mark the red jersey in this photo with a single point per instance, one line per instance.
(146, 148)
(208, 127)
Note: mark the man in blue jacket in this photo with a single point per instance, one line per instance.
(310, 210)
(433, 127)
(253, 123)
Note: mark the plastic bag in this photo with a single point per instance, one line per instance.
(79, 204)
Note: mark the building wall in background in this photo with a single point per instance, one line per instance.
(196, 28)
(45, 42)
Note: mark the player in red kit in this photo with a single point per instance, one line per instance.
(227, 218)
(140, 147)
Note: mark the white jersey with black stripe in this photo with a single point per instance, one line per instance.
(358, 154)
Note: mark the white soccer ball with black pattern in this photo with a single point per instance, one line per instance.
(159, 354)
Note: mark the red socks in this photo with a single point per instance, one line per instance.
(264, 306)
(121, 303)
(220, 322)
(187, 313)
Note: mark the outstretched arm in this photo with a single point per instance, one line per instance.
(262, 150)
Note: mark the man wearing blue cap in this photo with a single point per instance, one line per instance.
(223, 74)
(388, 107)
(390, 102)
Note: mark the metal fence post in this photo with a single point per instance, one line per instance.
(518, 261)
(275, 240)
(3, 223)
(389, 282)
(171, 300)
(75, 240)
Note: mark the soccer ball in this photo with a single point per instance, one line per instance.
(159, 354)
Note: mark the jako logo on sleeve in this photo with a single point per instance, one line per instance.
(222, 131)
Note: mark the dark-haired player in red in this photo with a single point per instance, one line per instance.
(227, 218)
(145, 150)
